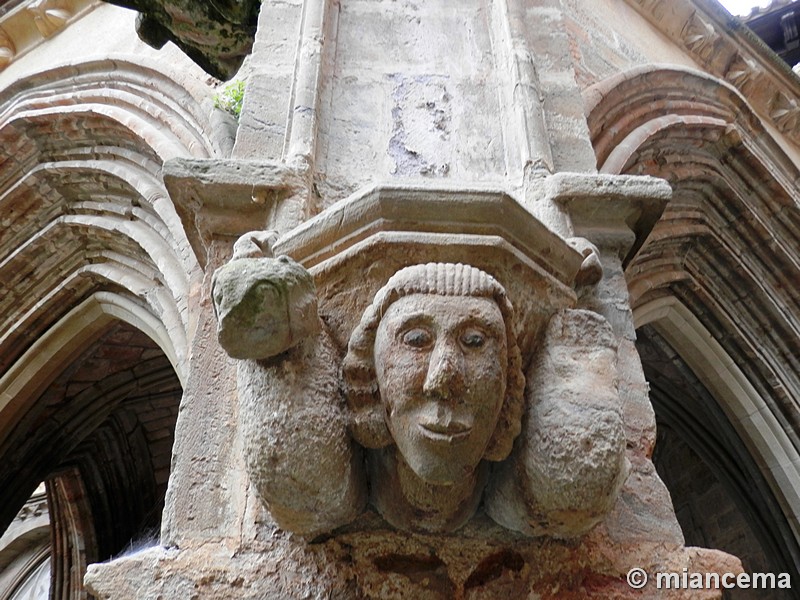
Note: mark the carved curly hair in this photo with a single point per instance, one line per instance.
(359, 379)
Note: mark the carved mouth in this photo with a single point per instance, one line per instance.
(444, 432)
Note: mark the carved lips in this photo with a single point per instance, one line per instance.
(445, 432)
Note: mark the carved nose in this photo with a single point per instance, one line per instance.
(445, 376)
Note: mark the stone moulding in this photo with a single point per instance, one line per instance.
(376, 231)
(619, 210)
(226, 197)
(223, 199)
(31, 23)
(730, 51)
(434, 210)
(383, 228)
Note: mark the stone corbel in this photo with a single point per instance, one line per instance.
(225, 198)
(384, 228)
(453, 309)
(612, 211)
(216, 35)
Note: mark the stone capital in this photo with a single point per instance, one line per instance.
(353, 248)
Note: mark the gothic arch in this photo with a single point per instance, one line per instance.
(719, 277)
(84, 210)
(96, 273)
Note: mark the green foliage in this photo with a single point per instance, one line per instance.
(230, 98)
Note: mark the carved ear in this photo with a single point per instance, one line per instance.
(509, 422)
(360, 386)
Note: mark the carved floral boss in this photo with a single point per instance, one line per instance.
(430, 404)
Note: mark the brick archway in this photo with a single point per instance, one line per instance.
(101, 437)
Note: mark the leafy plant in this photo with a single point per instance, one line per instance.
(230, 98)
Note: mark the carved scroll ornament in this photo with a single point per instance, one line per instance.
(430, 403)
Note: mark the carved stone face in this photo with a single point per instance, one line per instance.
(441, 366)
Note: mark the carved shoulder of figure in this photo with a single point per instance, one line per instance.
(293, 422)
(570, 462)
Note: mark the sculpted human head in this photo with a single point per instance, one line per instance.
(434, 368)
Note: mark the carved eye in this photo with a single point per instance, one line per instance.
(472, 338)
(417, 338)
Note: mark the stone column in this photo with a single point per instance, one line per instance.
(417, 162)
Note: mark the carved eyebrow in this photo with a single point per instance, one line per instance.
(415, 318)
(482, 323)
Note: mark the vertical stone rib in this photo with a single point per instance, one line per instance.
(301, 139)
(525, 130)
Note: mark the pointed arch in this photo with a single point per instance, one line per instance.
(83, 208)
(96, 274)
(719, 276)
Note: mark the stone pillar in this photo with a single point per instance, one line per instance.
(435, 391)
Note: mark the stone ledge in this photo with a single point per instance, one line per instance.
(226, 197)
(611, 210)
(377, 564)
(443, 210)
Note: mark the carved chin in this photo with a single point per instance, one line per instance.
(439, 456)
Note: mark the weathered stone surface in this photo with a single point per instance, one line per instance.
(299, 456)
(377, 564)
(264, 306)
(294, 431)
(434, 386)
(433, 378)
(230, 197)
(570, 461)
(353, 109)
